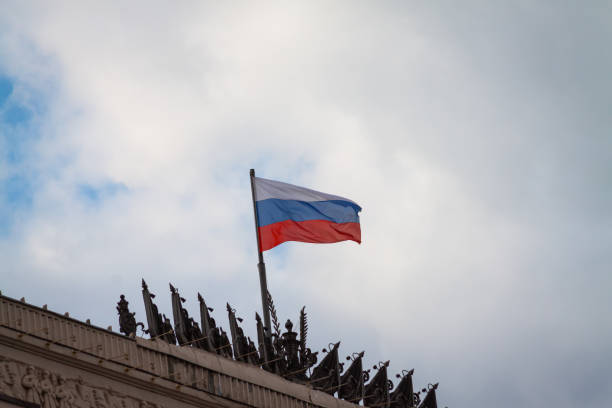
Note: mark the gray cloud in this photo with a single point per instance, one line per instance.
(475, 137)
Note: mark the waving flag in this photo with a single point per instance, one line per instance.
(290, 213)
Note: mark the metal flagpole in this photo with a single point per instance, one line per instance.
(261, 265)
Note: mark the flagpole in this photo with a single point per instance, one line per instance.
(261, 266)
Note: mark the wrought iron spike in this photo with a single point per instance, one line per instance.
(377, 391)
(326, 376)
(403, 396)
(351, 382)
(186, 332)
(154, 319)
(207, 326)
(430, 400)
(266, 351)
(244, 349)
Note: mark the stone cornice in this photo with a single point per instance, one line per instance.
(190, 375)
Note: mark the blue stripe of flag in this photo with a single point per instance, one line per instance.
(275, 210)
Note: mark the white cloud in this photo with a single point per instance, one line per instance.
(457, 156)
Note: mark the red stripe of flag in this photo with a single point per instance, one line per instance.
(314, 231)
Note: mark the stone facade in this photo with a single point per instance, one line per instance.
(49, 360)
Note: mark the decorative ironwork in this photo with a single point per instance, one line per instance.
(307, 357)
(127, 321)
(270, 360)
(290, 346)
(281, 353)
(351, 382)
(225, 345)
(216, 339)
(293, 366)
(377, 391)
(208, 324)
(303, 332)
(168, 332)
(326, 376)
(403, 395)
(430, 400)
(244, 348)
(157, 326)
(275, 321)
(186, 328)
(181, 317)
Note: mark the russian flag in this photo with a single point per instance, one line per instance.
(290, 213)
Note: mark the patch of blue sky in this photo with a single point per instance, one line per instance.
(16, 196)
(17, 191)
(22, 113)
(6, 222)
(16, 114)
(94, 195)
(6, 89)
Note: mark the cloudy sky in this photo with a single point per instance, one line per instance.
(477, 137)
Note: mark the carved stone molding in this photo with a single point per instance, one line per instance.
(51, 390)
(141, 369)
